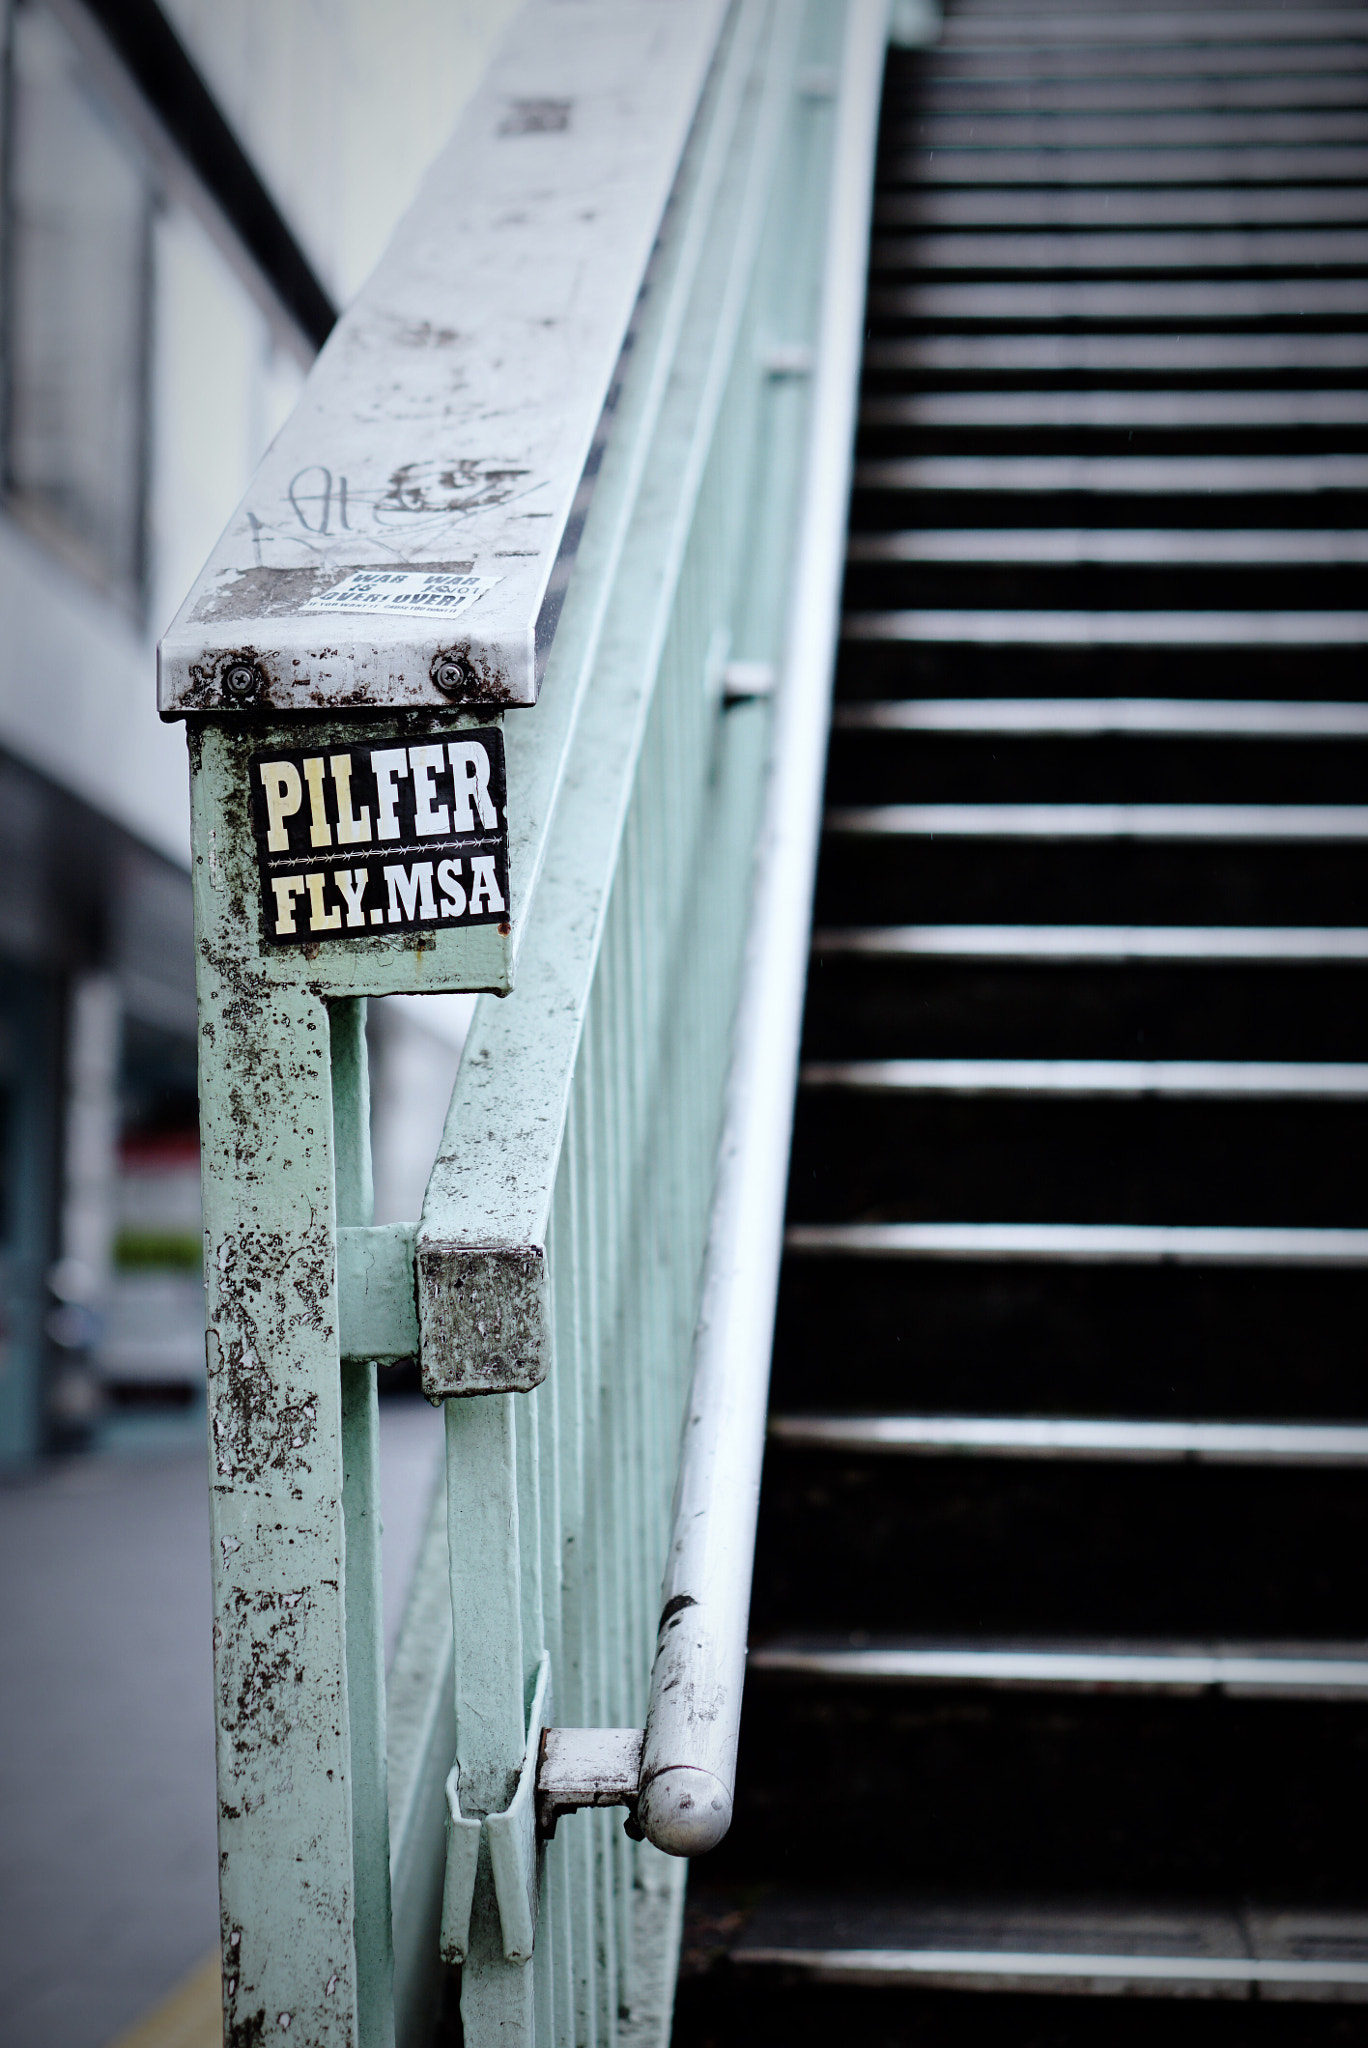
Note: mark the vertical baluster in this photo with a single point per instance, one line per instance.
(586, 1582)
(484, 1534)
(361, 1515)
(551, 1933)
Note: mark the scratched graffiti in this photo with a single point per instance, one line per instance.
(416, 501)
(462, 486)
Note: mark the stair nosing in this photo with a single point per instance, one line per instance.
(1091, 1244)
(1266, 1444)
(1090, 717)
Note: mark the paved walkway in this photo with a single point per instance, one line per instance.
(107, 1857)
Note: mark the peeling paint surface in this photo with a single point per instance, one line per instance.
(276, 1466)
(484, 1315)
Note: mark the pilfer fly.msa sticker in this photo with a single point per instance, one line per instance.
(382, 837)
(403, 590)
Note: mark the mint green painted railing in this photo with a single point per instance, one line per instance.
(613, 1157)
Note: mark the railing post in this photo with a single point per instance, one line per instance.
(277, 1471)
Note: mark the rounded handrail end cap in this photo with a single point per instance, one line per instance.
(685, 1810)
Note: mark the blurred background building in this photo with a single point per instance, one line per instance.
(189, 193)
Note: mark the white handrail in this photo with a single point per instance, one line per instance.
(689, 1757)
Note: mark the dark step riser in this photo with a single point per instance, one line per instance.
(950, 1787)
(886, 878)
(889, 1336)
(733, 2009)
(954, 1546)
(861, 1156)
(882, 767)
(867, 1008)
(936, 586)
(871, 670)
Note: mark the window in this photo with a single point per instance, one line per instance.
(78, 215)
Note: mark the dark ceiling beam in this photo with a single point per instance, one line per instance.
(156, 61)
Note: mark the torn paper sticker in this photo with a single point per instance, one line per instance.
(432, 596)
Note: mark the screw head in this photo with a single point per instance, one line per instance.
(240, 679)
(452, 673)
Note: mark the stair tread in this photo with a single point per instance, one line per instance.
(1055, 1437)
(1342, 823)
(1086, 1243)
(1181, 410)
(1080, 209)
(1345, 163)
(1198, 27)
(1118, 475)
(1205, 250)
(1167, 355)
(1089, 717)
(1119, 547)
(986, 127)
(1264, 1080)
(1090, 942)
(1323, 1671)
(1057, 1944)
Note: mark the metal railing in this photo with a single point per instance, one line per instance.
(621, 326)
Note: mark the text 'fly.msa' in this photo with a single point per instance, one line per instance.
(357, 841)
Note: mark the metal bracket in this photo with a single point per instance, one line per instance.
(515, 1851)
(377, 1308)
(744, 681)
(462, 1862)
(587, 1767)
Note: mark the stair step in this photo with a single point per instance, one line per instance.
(982, 127)
(1341, 824)
(1054, 1438)
(1146, 302)
(1117, 411)
(1076, 209)
(1084, 1080)
(911, 1156)
(1185, 629)
(1306, 1672)
(1218, 26)
(1067, 1946)
(1172, 476)
(1141, 1244)
(1094, 717)
(1338, 163)
(1208, 251)
(1125, 95)
(1153, 879)
(1013, 49)
(1284, 944)
(1007, 1336)
(1119, 547)
(1109, 355)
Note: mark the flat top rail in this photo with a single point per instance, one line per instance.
(407, 539)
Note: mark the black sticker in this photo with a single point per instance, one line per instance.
(381, 837)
